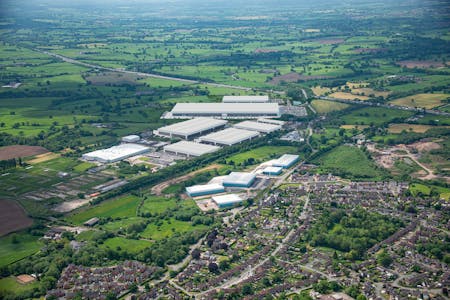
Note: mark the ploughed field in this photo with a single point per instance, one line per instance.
(12, 217)
(15, 151)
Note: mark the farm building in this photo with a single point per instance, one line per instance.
(273, 171)
(228, 137)
(190, 148)
(286, 161)
(206, 189)
(131, 138)
(225, 110)
(239, 179)
(191, 128)
(256, 126)
(227, 200)
(271, 121)
(91, 222)
(245, 99)
(116, 153)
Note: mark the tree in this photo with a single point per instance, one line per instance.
(247, 289)
(213, 267)
(196, 253)
(384, 259)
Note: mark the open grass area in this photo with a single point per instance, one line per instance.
(17, 246)
(119, 207)
(9, 285)
(168, 228)
(262, 153)
(427, 101)
(127, 245)
(324, 106)
(156, 204)
(374, 116)
(348, 161)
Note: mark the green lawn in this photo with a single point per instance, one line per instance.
(157, 204)
(167, 229)
(128, 245)
(348, 161)
(262, 153)
(25, 245)
(119, 207)
(9, 285)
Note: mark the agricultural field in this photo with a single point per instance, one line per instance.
(117, 208)
(16, 246)
(373, 115)
(348, 162)
(12, 217)
(324, 106)
(17, 151)
(348, 96)
(127, 245)
(166, 228)
(427, 101)
(398, 128)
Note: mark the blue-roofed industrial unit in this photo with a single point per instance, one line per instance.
(206, 189)
(227, 200)
(273, 171)
(239, 179)
(286, 161)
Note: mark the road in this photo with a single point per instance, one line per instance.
(152, 75)
(391, 106)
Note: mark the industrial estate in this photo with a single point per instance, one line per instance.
(195, 149)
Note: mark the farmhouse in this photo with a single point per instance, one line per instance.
(206, 189)
(239, 179)
(191, 128)
(229, 137)
(116, 153)
(286, 161)
(225, 110)
(256, 126)
(245, 99)
(190, 148)
(227, 200)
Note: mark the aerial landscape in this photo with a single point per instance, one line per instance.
(194, 149)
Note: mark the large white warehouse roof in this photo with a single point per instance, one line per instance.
(256, 126)
(190, 148)
(240, 179)
(191, 127)
(204, 189)
(116, 153)
(229, 136)
(245, 99)
(226, 110)
(286, 161)
(227, 200)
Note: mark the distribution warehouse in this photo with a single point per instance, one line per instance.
(273, 171)
(191, 128)
(257, 126)
(239, 179)
(229, 136)
(227, 200)
(245, 99)
(116, 153)
(205, 189)
(286, 161)
(225, 110)
(190, 148)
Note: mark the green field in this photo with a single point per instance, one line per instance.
(116, 208)
(127, 245)
(168, 228)
(262, 153)
(348, 161)
(324, 106)
(9, 285)
(374, 116)
(25, 245)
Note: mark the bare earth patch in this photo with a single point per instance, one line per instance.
(43, 157)
(420, 64)
(398, 128)
(70, 205)
(259, 50)
(369, 50)
(25, 278)
(12, 217)
(424, 146)
(16, 151)
(348, 96)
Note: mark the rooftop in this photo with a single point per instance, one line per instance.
(226, 108)
(229, 136)
(257, 126)
(239, 178)
(227, 199)
(192, 126)
(286, 160)
(117, 152)
(191, 148)
(204, 188)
